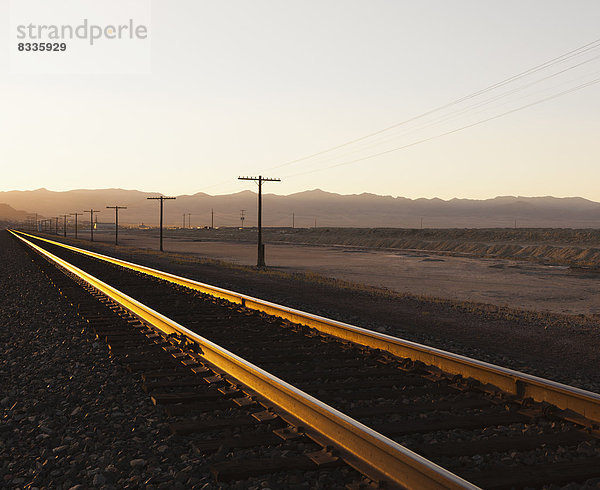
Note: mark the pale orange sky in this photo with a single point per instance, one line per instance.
(238, 88)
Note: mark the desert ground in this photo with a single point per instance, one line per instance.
(522, 284)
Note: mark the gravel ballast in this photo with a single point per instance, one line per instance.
(74, 418)
(71, 416)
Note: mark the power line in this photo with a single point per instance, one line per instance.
(571, 54)
(454, 114)
(574, 89)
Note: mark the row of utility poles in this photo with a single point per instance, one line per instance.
(93, 211)
(260, 262)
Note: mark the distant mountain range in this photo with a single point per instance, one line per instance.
(356, 210)
(7, 213)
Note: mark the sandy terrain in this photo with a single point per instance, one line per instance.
(500, 282)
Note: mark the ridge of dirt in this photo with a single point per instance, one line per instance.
(580, 248)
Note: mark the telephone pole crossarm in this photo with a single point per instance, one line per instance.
(260, 178)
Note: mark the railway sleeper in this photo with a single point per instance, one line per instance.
(412, 408)
(500, 444)
(181, 382)
(203, 407)
(150, 376)
(535, 476)
(292, 363)
(243, 469)
(242, 441)
(144, 365)
(373, 383)
(449, 423)
(118, 335)
(339, 374)
(182, 428)
(408, 392)
(191, 397)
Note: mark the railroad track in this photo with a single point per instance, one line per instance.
(216, 360)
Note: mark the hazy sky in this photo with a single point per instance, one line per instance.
(242, 87)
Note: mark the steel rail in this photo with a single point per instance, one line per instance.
(582, 402)
(396, 463)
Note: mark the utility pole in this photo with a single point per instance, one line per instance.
(116, 208)
(293, 220)
(65, 225)
(212, 219)
(56, 225)
(189, 220)
(261, 248)
(242, 217)
(76, 214)
(92, 211)
(315, 222)
(183, 220)
(161, 198)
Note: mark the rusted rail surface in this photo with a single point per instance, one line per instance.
(582, 402)
(367, 449)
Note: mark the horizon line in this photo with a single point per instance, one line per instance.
(304, 192)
